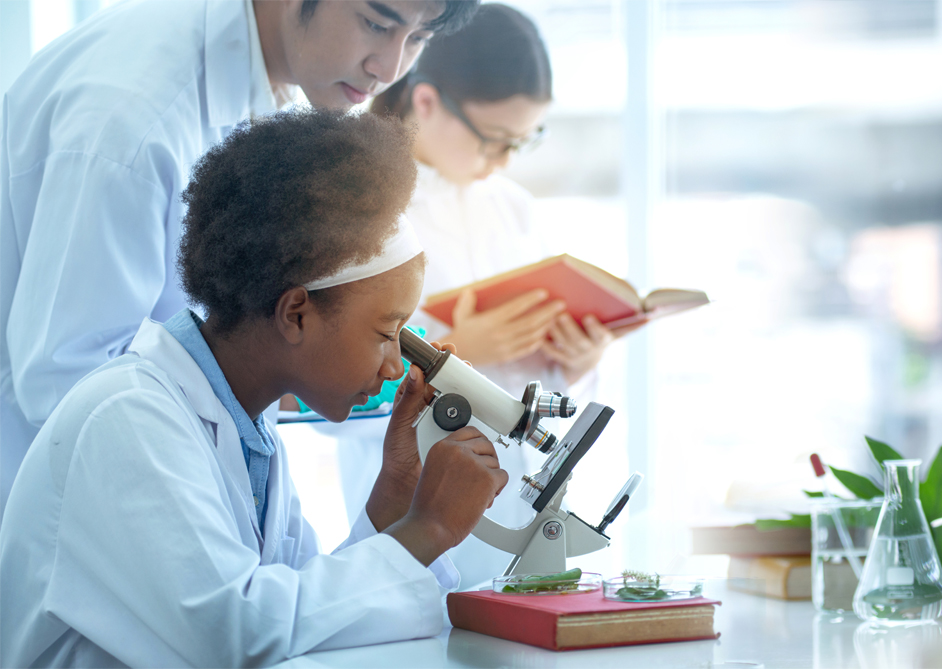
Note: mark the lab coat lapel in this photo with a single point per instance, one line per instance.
(229, 451)
(154, 343)
(272, 550)
(228, 70)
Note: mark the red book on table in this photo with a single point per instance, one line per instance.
(566, 622)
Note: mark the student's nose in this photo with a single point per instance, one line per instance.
(392, 366)
(386, 65)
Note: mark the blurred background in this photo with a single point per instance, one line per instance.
(785, 156)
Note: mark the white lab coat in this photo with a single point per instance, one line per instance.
(99, 135)
(131, 538)
(468, 233)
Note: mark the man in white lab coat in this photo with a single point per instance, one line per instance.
(99, 134)
(154, 521)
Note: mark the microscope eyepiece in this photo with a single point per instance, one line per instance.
(419, 352)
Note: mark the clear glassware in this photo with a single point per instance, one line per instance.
(901, 581)
(841, 533)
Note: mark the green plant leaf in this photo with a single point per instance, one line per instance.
(860, 486)
(813, 493)
(937, 537)
(882, 451)
(930, 490)
(796, 520)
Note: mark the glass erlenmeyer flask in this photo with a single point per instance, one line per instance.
(900, 583)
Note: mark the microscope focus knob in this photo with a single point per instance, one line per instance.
(451, 412)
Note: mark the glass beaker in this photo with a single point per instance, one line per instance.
(841, 532)
(900, 583)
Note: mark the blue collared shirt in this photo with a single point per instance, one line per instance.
(257, 443)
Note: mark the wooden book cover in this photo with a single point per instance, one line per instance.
(566, 622)
(779, 577)
(585, 288)
(747, 540)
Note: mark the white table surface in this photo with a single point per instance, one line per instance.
(755, 632)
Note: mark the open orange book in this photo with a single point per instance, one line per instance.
(585, 288)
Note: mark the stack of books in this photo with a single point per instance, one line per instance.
(774, 563)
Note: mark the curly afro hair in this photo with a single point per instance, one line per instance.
(286, 199)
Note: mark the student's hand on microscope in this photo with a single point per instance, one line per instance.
(394, 488)
(506, 333)
(579, 350)
(459, 482)
(392, 493)
(432, 508)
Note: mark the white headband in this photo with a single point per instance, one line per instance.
(402, 247)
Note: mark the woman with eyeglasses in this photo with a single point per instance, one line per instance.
(475, 98)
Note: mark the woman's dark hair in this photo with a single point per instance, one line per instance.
(287, 199)
(498, 55)
(455, 15)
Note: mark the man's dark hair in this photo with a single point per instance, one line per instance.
(498, 55)
(455, 15)
(287, 199)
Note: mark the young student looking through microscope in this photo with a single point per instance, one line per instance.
(143, 530)
(475, 98)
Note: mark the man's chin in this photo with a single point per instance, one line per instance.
(331, 98)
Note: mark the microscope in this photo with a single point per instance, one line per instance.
(466, 397)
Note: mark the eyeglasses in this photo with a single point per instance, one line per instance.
(492, 147)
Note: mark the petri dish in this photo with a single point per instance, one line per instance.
(540, 584)
(668, 588)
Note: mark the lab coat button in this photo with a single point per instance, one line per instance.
(256, 500)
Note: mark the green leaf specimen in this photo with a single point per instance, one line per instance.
(639, 586)
(561, 582)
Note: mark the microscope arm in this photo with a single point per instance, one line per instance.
(512, 540)
(543, 544)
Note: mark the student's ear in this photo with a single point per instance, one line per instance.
(295, 315)
(425, 100)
